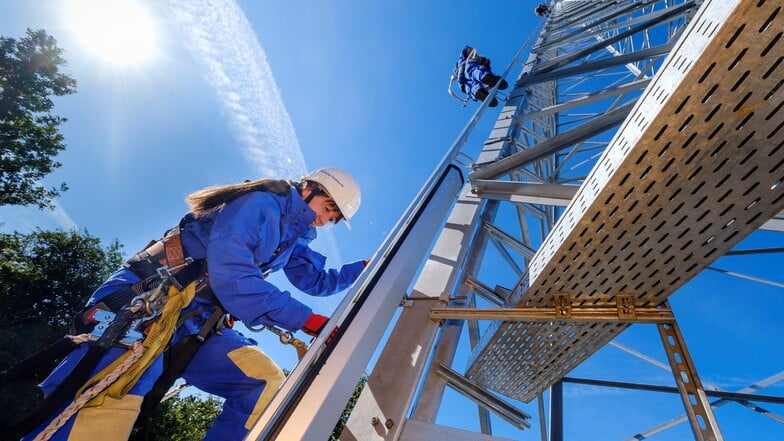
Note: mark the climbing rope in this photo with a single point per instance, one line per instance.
(138, 350)
(131, 365)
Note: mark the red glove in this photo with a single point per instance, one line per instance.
(314, 324)
(367, 262)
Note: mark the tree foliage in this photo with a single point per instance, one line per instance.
(335, 436)
(182, 419)
(189, 418)
(45, 278)
(29, 133)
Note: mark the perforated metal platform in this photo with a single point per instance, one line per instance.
(696, 167)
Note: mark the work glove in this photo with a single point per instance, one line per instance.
(314, 324)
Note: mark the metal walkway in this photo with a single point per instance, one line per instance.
(696, 167)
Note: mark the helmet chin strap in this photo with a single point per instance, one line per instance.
(315, 190)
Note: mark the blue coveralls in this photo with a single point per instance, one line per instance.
(254, 233)
(470, 73)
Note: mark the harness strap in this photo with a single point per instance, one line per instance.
(79, 374)
(176, 360)
(164, 258)
(158, 336)
(75, 379)
(57, 398)
(33, 363)
(187, 316)
(160, 259)
(175, 255)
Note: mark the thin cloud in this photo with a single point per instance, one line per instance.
(29, 218)
(220, 38)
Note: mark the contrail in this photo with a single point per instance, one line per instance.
(220, 38)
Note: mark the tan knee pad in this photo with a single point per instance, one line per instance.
(256, 364)
(111, 421)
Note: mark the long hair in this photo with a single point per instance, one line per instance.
(208, 199)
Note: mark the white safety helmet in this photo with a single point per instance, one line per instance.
(340, 186)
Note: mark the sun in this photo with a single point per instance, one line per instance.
(120, 32)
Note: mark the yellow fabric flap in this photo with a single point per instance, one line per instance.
(157, 338)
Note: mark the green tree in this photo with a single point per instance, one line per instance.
(182, 419)
(29, 133)
(349, 407)
(45, 278)
(189, 418)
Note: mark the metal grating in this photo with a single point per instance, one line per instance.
(696, 167)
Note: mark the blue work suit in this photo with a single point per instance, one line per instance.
(255, 233)
(471, 71)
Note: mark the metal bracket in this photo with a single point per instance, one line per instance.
(626, 309)
(563, 305)
(165, 272)
(408, 301)
(103, 318)
(464, 160)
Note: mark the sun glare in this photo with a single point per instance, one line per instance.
(116, 31)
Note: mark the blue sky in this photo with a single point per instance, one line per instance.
(239, 90)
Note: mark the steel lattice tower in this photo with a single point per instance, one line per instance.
(640, 142)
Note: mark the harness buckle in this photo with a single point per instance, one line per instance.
(166, 272)
(103, 319)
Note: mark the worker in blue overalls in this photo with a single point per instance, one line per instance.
(475, 76)
(237, 233)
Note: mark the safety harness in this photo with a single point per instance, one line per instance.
(166, 272)
(162, 259)
(145, 313)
